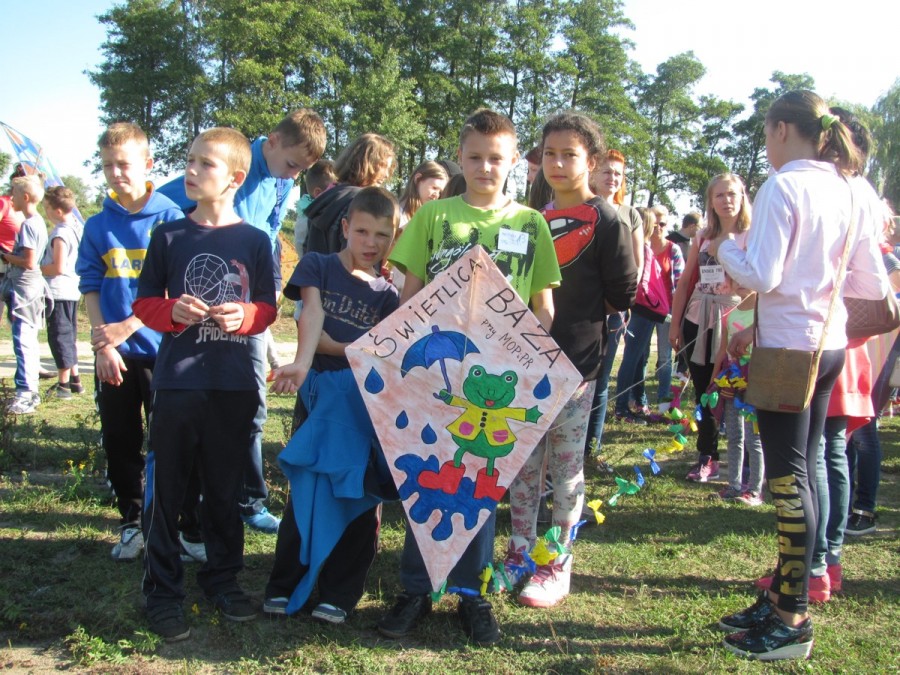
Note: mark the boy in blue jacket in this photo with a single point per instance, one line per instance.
(110, 258)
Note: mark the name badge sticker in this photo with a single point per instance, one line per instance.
(511, 241)
(712, 274)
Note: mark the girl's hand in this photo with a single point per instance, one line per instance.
(740, 343)
(675, 336)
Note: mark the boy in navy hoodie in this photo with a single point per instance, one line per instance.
(110, 258)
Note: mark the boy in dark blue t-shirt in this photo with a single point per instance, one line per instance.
(330, 528)
(207, 285)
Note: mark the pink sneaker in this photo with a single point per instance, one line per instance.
(694, 473)
(707, 471)
(549, 585)
(750, 498)
(836, 575)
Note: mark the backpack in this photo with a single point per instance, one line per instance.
(652, 299)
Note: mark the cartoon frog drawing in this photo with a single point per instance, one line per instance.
(481, 430)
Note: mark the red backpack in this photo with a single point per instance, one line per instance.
(652, 299)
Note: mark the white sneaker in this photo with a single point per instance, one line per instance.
(190, 551)
(130, 546)
(25, 403)
(514, 566)
(549, 584)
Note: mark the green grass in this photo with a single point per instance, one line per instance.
(648, 587)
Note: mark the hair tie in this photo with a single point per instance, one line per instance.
(827, 120)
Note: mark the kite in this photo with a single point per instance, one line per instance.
(461, 384)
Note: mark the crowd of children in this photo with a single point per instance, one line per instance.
(179, 306)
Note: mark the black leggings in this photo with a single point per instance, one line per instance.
(790, 442)
(701, 375)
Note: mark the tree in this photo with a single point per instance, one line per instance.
(149, 75)
(85, 196)
(5, 163)
(886, 161)
(671, 114)
(747, 153)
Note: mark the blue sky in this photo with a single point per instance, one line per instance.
(49, 98)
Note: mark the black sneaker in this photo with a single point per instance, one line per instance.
(404, 615)
(478, 622)
(861, 522)
(746, 619)
(233, 604)
(772, 640)
(168, 621)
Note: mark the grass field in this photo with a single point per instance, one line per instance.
(649, 584)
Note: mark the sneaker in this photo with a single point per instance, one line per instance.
(60, 391)
(130, 545)
(836, 575)
(819, 587)
(861, 522)
(549, 584)
(276, 605)
(76, 387)
(192, 551)
(262, 521)
(233, 604)
(329, 613)
(404, 615)
(694, 473)
(750, 498)
(709, 471)
(514, 565)
(772, 640)
(746, 619)
(478, 622)
(168, 621)
(46, 374)
(729, 494)
(24, 403)
(639, 410)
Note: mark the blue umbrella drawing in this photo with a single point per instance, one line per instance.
(440, 345)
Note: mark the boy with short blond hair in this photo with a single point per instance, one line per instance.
(24, 289)
(110, 257)
(207, 284)
(295, 143)
(58, 268)
(518, 240)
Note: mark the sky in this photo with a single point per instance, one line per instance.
(49, 98)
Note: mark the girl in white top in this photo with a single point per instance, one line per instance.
(801, 221)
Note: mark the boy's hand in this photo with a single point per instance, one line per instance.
(109, 366)
(109, 335)
(229, 316)
(189, 310)
(289, 378)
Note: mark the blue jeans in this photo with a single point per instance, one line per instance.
(864, 460)
(663, 361)
(631, 371)
(833, 493)
(253, 486)
(478, 554)
(614, 327)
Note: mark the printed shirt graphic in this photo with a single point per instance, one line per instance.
(352, 305)
(217, 265)
(442, 231)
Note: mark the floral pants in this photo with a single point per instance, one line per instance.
(563, 444)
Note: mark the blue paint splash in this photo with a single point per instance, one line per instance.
(402, 420)
(374, 382)
(428, 435)
(542, 389)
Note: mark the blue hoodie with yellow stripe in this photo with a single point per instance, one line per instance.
(110, 258)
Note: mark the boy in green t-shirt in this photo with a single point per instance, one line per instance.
(518, 240)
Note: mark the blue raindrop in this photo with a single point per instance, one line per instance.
(374, 382)
(402, 420)
(428, 435)
(542, 389)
